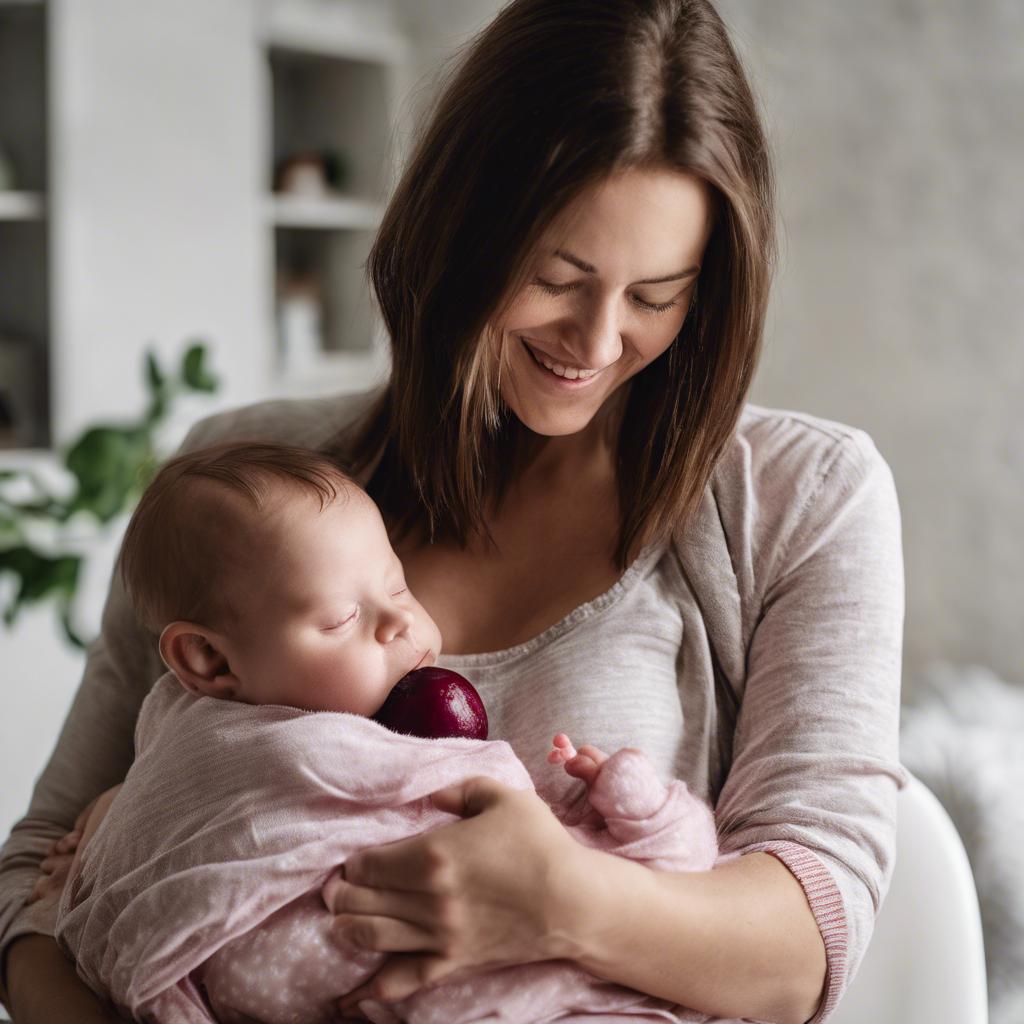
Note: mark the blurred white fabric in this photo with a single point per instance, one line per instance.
(963, 736)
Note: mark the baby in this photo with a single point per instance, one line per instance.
(269, 578)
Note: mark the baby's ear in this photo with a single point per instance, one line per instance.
(194, 654)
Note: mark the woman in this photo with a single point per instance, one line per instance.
(607, 536)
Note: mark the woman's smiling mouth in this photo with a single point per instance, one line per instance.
(569, 377)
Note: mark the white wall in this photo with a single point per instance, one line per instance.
(156, 158)
(898, 308)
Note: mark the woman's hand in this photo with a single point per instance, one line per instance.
(63, 853)
(501, 887)
(54, 868)
(56, 864)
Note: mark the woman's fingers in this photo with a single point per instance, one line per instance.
(398, 978)
(51, 880)
(68, 843)
(343, 897)
(56, 863)
(380, 935)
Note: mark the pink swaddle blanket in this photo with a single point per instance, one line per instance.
(198, 898)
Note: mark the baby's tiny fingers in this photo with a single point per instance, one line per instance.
(595, 755)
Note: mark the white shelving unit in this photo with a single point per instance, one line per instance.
(142, 216)
(332, 87)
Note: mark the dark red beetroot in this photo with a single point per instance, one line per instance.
(434, 703)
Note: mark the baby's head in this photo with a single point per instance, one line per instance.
(269, 578)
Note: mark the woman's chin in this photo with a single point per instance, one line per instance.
(541, 418)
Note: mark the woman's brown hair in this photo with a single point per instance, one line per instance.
(551, 97)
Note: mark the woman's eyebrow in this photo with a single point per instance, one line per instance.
(588, 268)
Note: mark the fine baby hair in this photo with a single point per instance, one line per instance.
(198, 518)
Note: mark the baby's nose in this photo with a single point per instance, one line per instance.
(394, 622)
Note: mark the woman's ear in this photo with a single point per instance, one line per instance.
(196, 656)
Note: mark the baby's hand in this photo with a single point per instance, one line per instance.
(583, 764)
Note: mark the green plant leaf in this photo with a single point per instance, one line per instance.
(39, 576)
(111, 465)
(154, 375)
(159, 390)
(194, 372)
(106, 462)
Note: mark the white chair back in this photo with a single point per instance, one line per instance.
(926, 960)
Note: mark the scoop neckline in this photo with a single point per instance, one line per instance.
(647, 557)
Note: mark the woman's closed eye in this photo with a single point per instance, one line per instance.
(562, 289)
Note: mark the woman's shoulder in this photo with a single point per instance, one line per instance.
(784, 483)
(783, 447)
(304, 422)
(786, 471)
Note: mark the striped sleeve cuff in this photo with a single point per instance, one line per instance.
(827, 906)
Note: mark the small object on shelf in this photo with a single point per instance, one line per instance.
(312, 173)
(8, 175)
(300, 319)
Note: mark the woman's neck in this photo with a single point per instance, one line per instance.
(566, 460)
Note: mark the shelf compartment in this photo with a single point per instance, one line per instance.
(24, 331)
(23, 93)
(335, 109)
(324, 320)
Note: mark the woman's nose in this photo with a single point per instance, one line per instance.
(394, 621)
(598, 338)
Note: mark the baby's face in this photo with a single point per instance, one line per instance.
(326, 621)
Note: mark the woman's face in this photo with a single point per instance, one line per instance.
(608, 292)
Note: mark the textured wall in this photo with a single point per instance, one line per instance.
(899, 131)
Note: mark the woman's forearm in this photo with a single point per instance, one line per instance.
(42, 986)
(739, 941)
